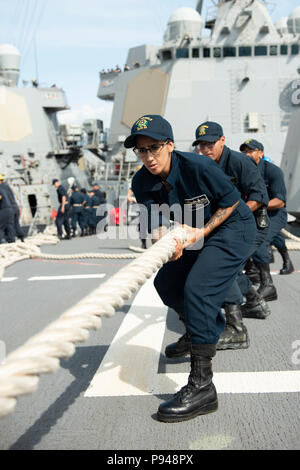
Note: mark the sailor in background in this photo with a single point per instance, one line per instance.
(16, 210)
(131, 200)
(86, 208)
(244, 174)
(76, 201)
(99, 194)
(6, 216)
(194, 282)
(63, 213)
(274, 179)
(93, 219)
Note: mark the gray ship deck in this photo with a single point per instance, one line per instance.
(106, 395)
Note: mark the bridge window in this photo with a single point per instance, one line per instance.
(167, 55)
(273, 50)
(206, 52)
(260, 50)
(283, 49)
(195, 52)
(244, 51)
(182, 53)
(217, 52)
(229, 51)
(295, 49)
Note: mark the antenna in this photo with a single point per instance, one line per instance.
(199, 6)
(36, 60)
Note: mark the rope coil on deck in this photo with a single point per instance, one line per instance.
(14, 252)
(19, 375)
(11, 253)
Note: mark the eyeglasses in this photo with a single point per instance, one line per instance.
(203, 144)
(155, 149)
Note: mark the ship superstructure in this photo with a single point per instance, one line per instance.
(243, 74)
(35, 148)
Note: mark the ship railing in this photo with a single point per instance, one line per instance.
(36, 218)
(117, 171)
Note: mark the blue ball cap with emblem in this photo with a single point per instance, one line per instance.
(150, 125)
(208, 131)
(252, 144)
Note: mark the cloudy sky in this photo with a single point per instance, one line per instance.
(67, 42)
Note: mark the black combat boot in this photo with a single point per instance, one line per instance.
(199, 396)
(255, 306)
(252, 271)
(235, 335)
(287, 267)
(180, 348)
(266, 289)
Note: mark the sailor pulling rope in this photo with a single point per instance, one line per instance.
(19, 375)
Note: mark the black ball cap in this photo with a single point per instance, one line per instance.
(151, 125)
(208, 131)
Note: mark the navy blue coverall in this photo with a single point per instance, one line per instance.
(17, 228)
(94, 219)
(244, 174)
(62, 219)
(76, 201)
(86, 211)
(196, 283)
(6, 217)
(274, 179)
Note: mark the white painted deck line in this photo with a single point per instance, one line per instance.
(62, 278)
(8, 279)
(130, 365)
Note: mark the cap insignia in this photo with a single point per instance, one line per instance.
(142, 123)
(202, 130)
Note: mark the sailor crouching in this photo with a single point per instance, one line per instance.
(274, 180)
(194, 281)
(244, 174)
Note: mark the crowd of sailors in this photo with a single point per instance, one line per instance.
(224, 263)
(117, 69)
(78, 209)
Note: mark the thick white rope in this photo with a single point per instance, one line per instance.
(11, 253)
(19, 374)
(14, 252)
(291, 245)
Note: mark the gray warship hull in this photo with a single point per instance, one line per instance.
(233, 66)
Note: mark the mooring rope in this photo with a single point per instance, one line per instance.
(19, 374)
(291, 245)
(11, 253)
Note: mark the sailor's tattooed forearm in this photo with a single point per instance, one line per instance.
(218, 218)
